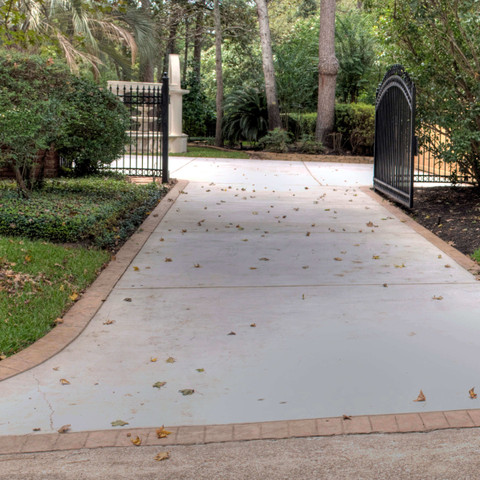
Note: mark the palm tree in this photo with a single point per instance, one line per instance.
(83, 31)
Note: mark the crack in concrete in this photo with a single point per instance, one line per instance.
(44, 395)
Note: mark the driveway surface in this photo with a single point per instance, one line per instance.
(273, 291)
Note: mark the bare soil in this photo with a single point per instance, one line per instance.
(452, 213)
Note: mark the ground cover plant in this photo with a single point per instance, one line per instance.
(99, 211)
(39, 281)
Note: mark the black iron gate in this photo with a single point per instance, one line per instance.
(395, 136)
(147, 152)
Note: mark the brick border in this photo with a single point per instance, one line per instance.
(466, 262)
(195, 435)
(80, 314)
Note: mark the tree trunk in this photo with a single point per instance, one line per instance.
(197, 45)
(218, 74)
(185, 54)
(146, 64)
(274, 119)
(327, 71)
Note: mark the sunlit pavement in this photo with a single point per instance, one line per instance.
(278, 290)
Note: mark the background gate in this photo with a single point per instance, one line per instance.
(395, 136)
(147, 152)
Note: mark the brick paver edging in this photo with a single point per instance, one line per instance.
(194, 435)
(466, 262)
(78, 317)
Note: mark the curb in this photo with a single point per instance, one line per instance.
(199, 435)
(80, 314)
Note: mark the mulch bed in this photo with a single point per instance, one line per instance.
(452, 213)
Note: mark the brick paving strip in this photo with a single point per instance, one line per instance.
(81, 313)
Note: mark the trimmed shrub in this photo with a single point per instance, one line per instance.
(276, 140)
(94, 126)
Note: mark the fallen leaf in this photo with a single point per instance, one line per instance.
(200, 370)
(58, 320)
(162, 433)
(136, 269)
(376, 257)
(338, 259)
(36, 429)
(109, 322)
(472, 393)
(400, 266)
(347, 417)
(170, 360)
(136, 441)
(128, 299)
(187, 391)
(73, 296)
(231, 333)
(162, 456)
(64, 428)
(159, 384)
(385, 285)
(153, 359)
(307, 234)
(64, 381)
(168, 259)
(197, 265)
(420, 398)
(253, 325)
(448, 266)
(118, 423)
(369, 224)
(437, 298)
(253, 268)
(264, 259)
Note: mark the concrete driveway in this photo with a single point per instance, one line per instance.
(275, 291)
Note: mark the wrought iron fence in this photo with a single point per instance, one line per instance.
(147, 152)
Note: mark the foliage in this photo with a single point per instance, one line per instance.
(277, 140)
(296, 67)
(439, 45)
(355, 51)
(40, 281)
(94, 124)
(308, 144)
(246, 116)
(356, 123)
(43, 105)
(99, 210)
(198, 111)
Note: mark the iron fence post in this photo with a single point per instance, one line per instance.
(165, 105)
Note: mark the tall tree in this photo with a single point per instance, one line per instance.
(274, 120)
(146, 61)
(218, 74)
(327, 71)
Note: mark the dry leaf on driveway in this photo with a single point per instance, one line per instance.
(421, 397)
(118, 423)
(159, 384)
(437, 298)
(187, 391)
(64, 428)
(162, 433)
(64, 381)
(472, 393)
(170, 360)
(162, 456)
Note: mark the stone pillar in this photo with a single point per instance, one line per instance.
(177, 139)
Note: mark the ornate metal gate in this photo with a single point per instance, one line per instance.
(147, 152)
(395, 136)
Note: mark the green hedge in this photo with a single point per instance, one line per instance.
(96, 211)
(354, 121)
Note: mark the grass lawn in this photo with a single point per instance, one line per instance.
(208, 152)
(38, 282)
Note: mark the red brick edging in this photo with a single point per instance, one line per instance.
(192, 435)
